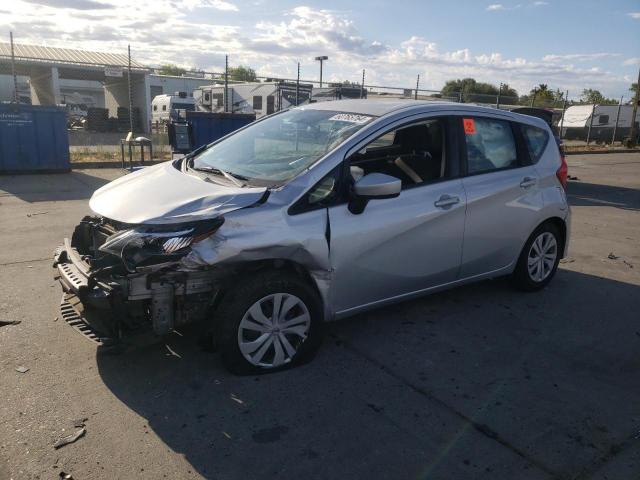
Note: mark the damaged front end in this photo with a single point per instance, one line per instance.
(120, 279)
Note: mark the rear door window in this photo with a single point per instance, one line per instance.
(536, 140)
(490, 144)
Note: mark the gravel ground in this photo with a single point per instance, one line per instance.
(476, 382)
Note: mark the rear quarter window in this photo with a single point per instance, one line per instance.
(536, 139)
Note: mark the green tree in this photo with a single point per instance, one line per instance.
(469, 88)
(590, 95)
(171, 69)
(242, 74)
(634, 90)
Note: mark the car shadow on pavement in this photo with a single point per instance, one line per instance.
(583, 194)
(74, 185)
(476, 382)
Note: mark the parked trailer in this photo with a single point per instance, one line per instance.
(602, 118)
(167, 107)
(252, 98)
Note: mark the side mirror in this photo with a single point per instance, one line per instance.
(373, 186)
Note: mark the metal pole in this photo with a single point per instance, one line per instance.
(362, 85)
(590, 123)
(417, 84)
(634, 113)
(130, 92)
(533, 98)
(615, 127)
(564, 107)
(16, 99)
(226, 83)
(498, 96)
(298, 85)
(460, 96)
(321, 72)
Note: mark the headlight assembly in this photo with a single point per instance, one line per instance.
(143, 245)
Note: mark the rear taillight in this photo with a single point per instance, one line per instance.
(562, 172)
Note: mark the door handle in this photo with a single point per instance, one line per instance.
(446, 201)
(528, 182)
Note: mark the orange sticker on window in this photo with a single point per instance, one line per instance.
(469, 126)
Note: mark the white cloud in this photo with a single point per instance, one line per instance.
(578, 57)
(539, 4)
(635, 15)
(495, 7)
(222, 5)
(632, 61)
(188, 37)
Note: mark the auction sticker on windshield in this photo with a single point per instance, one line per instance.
(350, 117)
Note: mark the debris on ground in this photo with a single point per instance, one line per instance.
(571, 177)
(80, 422)
(22, 369)
(4, 323)
(171, 352)
(65, 476)
(612, 256)
(37, 213)
(567, 260)
(629, 264)
(70, 438)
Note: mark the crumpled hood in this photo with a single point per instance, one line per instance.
(163, 194)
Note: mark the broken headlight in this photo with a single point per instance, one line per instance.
(145, 245)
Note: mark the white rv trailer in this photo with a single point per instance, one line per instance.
(252, 98)
(577, 118)
(166, 107)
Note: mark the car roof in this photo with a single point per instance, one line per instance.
(380, 107)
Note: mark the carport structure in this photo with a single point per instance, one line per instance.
(45, 66)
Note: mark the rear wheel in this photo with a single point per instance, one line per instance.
(269, 323)
(539, 259)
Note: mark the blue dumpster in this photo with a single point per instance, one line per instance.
(33, 139)
(207, 127)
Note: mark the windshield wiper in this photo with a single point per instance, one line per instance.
(218, 171)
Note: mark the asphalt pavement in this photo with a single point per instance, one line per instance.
(477, 382)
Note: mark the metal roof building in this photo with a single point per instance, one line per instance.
(45, 66)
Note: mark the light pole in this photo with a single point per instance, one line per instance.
(321, 59)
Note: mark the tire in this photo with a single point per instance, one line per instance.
(239, 323)
(533, 279)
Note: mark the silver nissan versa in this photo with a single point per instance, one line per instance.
(314, 214)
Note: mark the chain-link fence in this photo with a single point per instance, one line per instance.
(114, 103)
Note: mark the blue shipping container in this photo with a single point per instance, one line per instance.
(33, 139)
(207, 127)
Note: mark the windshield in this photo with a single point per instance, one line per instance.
(280, 147)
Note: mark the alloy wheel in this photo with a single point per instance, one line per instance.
(273, 329)
(542, 256)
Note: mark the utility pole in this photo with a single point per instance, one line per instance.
(498, 97)
(417, 85)
(16, 98)
(298, 86)
(362, 85)
(321, 59)
(564, 107)
(130, 93)
(633, 133)
(615, 127)
(226, 83)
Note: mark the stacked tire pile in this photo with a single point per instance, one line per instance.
(123, 119)
(97, 119)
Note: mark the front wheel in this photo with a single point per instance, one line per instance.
(539, 259)
(269, 323)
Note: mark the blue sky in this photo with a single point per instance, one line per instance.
(566, 44)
